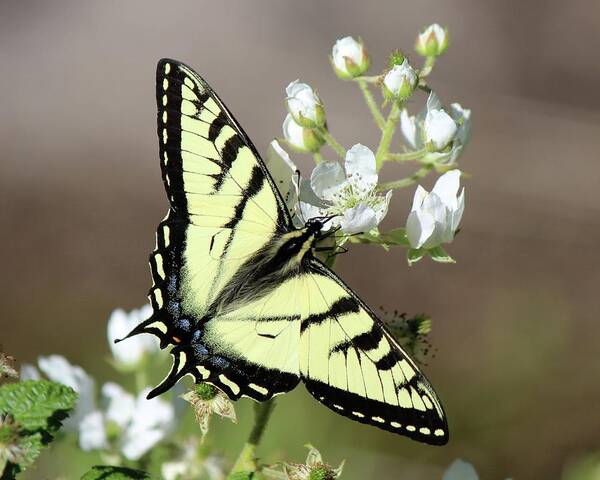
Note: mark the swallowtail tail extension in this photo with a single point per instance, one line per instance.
(238, 293)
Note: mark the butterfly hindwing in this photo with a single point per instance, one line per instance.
(352, 364)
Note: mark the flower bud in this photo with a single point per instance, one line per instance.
(304, 105)
(433, 41)
(400, 82)
(439, 129)
(349, 58)
(301, 138)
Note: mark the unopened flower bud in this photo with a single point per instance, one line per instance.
(400, 82)
(433, 41)
(305, 105)
(301, 138)
(349, 58)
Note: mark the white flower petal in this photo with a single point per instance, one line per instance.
(58, 369)
(119, 325)
(119, 404)
(361, 168)
(457, 214)
(153, 413)
(346, 47)
(399, 77)
(446, 187)
(382, 208)
(439, 128)
(306, 211)
(136, 442)
(29, 372)
(420, 195)
(173, 470)
(433, 102)
(284, 173)
(408, 127)
(327, 179)
(302, 100)
(462, 116)
(361, 218)
(419, 228)
(293, 132)
(460, 470)
(433, 205)
(92, 434)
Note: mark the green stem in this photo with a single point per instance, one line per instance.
(406, 182)
(332, 142)
(428, 67)
(318, 157)
(387, 134)
(246, 461)
(364, 87)
(407, 156)
(369, 79)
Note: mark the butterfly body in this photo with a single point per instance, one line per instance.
(239, 294)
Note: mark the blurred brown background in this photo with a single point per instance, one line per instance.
(515, 320)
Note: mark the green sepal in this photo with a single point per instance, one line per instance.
(103, 472)
(438, 254)
(413, 255)
(397, 57)
(393, 238)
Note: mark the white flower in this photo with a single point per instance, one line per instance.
(350, 196)
(460, 470)
(349, 58)
(400, 81)
(191, 465)
(284, 173)
(435, 216)
(92, 434)
(120, 323)
(439, 128)
(299, 137)
(150, 422)
(58, 369)
(304, 105)
(433, 41)
(136, 423)
(432, 128)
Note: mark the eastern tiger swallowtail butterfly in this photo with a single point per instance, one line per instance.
(239, 294)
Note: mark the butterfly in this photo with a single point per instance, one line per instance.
(239, 294)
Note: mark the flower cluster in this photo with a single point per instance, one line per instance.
(350, 197)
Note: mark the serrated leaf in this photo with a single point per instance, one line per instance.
(37, 404)
(413, 255)
(38, 407)
(106, 472)
(438, 254)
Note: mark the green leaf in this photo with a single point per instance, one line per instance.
(38, 409)
(37, 405)
(104, 472)
(241, 476)
(438, 254)
(413, 255)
